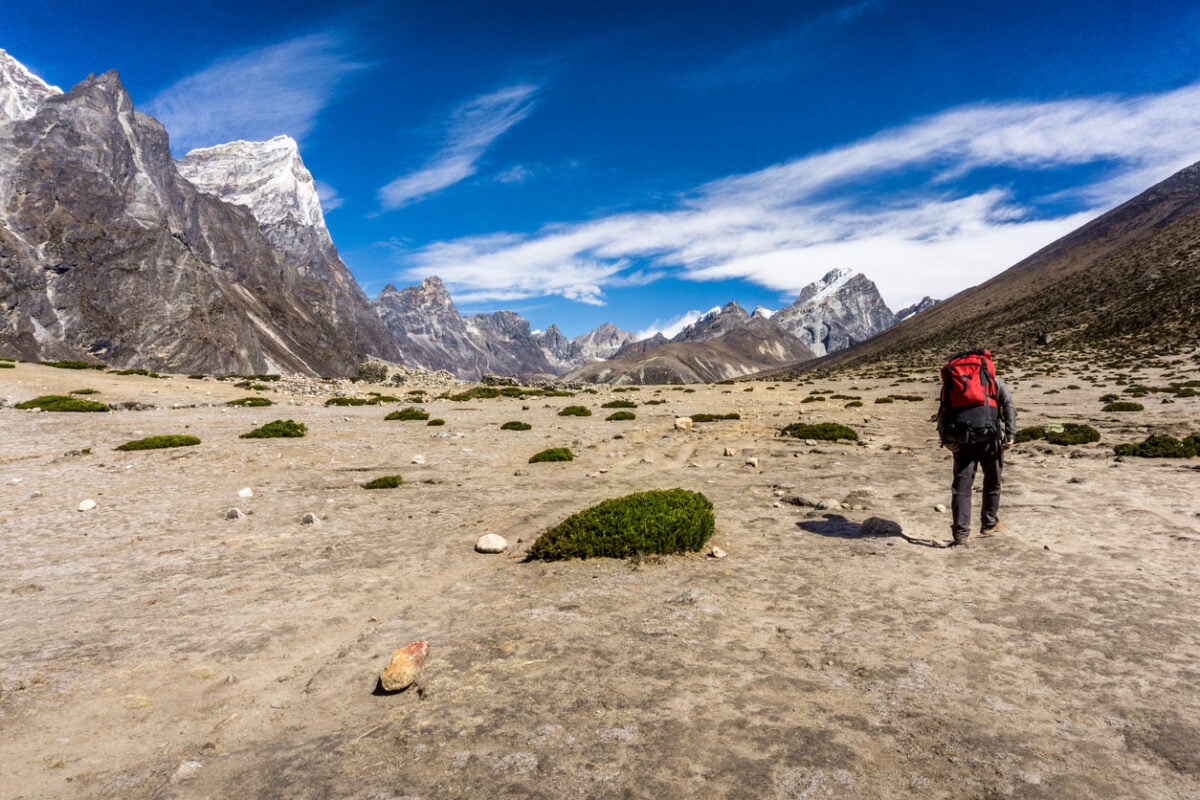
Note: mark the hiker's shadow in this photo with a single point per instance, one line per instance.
(835, 526)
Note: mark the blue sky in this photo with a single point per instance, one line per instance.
(630, 162)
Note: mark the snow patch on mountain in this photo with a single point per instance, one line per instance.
(21, 92)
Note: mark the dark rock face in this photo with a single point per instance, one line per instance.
(714, 325)
(924, 304)
(106, 251)
(837, 312)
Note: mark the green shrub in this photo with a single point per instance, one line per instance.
(881, 400)
(618, 416)
(72, 365)
(85, 391)
(714, 417)
(575, 411)
(58, 402)
(557, 393)
(516, 425)
(386, 482)
(134, 371)
(1124, 405)
(1030, 434)
(552, 454)
(437, 422)
(343, 401)
(250, 402)
(7, 365)
(660, 521)
(1161, 446)
(408, 414)
(824, 431)
(814, 398)
(475, 393)
(278, 429)
(907, 398)
(627, 389)
(254, 387)
(160, 442)
(1110, 398)
(854, 404)
(619, 404)
(1073, 433)
(844, 397)
(197, 376)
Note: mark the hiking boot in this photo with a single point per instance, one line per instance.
(988, 530)
(960, 540)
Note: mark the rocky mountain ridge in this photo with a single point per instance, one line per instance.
(108, 253)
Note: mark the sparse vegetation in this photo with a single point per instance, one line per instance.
(575, 411)
(344, 401)
(552, 454)
(714, 417)
(436, 422)
(1124, 405)
(854, 404)
(619, 416)
(408, 414)
(475, 393)
(252, 386)
(619, 404)
(661, 521)
(250, 402)
(1030, 434)
(821, 431)
(1072, 433)
(516, 425)
(278, 429)
(1161, 446)
(159, 442)
(386, 482)
(78, 392)
(73, 365)
(58, 402)
(7, 365)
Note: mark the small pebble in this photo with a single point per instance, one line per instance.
(87, 505)
(247, 492)
(309, 519)
(940, 508)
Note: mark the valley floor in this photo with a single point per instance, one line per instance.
(151, 648)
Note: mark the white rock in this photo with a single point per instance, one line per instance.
(717, 552)
(683, 423)
(829, 503)
(729, 451)
(247, 492)
(87, 505)
(235, 513)
(309, 518)
(491, 543)
(186, 771)
(418, 459)
(752, 462)
(939, 508)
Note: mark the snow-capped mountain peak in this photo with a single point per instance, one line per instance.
(267, 177)
(21, 92)
(830, 284)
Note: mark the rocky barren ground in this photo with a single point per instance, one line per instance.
(151, 648)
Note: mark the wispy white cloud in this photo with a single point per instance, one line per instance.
(672, 325)
(329, 197)
(472, 129)
(783, 54)
(518, 173)
(784, 226)
(266, 92)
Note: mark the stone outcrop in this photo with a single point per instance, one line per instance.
(835, 313)
(108, 253)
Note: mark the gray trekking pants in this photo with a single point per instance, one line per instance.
(966, 458)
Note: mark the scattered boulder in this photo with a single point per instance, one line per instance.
(752, 462)
(235, 513)
(683, 424)
(402, 670)
(690, 597)
(87, 505)
(828, 503)
(309, 518)
(418, 459)
(878, 526)
(940, 508)
(491, 543)
(729, 451)
(717, 552)
(247, 492)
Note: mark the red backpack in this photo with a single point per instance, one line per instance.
(969, 410)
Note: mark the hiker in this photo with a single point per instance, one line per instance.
(976, 422)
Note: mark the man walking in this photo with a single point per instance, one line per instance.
(977, 422)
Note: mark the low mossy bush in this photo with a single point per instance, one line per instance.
(278, 429)
(854, 404)
(252, 386)
(516, 425)
(1161, 446)
(619, 416)
(59, 402)
(249, 402)
(408, 414)
(475, 393)
(345, 401)
(159, 442)
(714, 417)
(7, 365)
(552, 454)
(1072, 433)
(882, 400)
(619, 404)
(1124, 405)
(575, 411)
(78, 392)
(659, 521)
(386, 482)
(1030, 434)
(73, 365)
(436, 422)
(822, 431)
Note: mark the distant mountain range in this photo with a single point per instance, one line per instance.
(220, 262)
